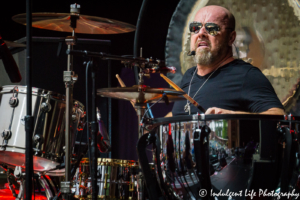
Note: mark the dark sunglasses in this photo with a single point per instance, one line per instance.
(211, 28)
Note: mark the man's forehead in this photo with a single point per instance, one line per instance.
(212, 14)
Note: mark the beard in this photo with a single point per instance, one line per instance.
(206, 56)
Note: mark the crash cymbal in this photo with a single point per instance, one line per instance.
(85, 24)
(148, 95)
(14, 44)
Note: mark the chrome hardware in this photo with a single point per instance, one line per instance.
(37, 138)
(45, 107)
(6, 134)
(13, 101)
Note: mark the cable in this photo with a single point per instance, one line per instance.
(163, 96)
(87, 116)
(150, 111)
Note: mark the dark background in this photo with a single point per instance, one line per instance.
(153, 37)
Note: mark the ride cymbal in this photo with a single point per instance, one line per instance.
(85, 24)
(14, 44)
(146, 95)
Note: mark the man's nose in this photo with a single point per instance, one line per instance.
(202, 32)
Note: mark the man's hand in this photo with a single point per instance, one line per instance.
(169, 115)
(271, 111)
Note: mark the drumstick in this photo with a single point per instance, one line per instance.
(176, 87)
(122, 85)
(120, 81)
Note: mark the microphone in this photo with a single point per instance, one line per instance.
(9, 63)
(191, 53)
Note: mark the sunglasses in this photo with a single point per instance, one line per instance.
(211, 28)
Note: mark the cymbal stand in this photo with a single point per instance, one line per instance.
(69, 79)
(140, 107)
(140, 111)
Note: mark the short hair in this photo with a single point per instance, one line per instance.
(231, 20)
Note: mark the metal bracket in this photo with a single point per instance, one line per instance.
(70, 78)
(14, 101)
(71, 40)
(20, 179)
(65, 187)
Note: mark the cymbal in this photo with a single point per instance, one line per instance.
(85, 24)
(14, 44)
(147, 95)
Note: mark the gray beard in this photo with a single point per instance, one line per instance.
(203, 57)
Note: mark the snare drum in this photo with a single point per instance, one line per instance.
(116, 179)
(48, 109)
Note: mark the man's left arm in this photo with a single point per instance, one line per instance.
(271, 111)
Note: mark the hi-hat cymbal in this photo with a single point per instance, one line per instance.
(85, 24)
(147, 95)
(14, 44)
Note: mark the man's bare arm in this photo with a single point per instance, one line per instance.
(170, 114)
(271, 111)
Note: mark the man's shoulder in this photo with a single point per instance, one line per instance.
(242, 66)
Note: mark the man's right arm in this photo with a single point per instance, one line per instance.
(169, 114)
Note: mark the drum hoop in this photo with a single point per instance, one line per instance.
(38, 92)
(110, 162)
(203, 117)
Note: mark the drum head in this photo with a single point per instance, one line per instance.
(18, 159)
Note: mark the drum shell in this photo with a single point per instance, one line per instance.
(117, 174)
(48, 110)
(180, 178)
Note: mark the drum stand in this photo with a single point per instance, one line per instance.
(69, 79)
(140, 110)
(94, 129)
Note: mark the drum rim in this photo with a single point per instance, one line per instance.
(38, 92)
(110, 162)
(203, 117)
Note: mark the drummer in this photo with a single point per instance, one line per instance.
(220, 83)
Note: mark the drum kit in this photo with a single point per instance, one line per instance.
(182, 145)
(58, 118)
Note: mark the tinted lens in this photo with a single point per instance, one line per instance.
(195, 27)
(212, 28)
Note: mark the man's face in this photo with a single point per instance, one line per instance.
(210, 48)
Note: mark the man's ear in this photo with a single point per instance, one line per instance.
(232, 37)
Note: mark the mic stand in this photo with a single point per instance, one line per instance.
(29, 118)
(69, 79)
